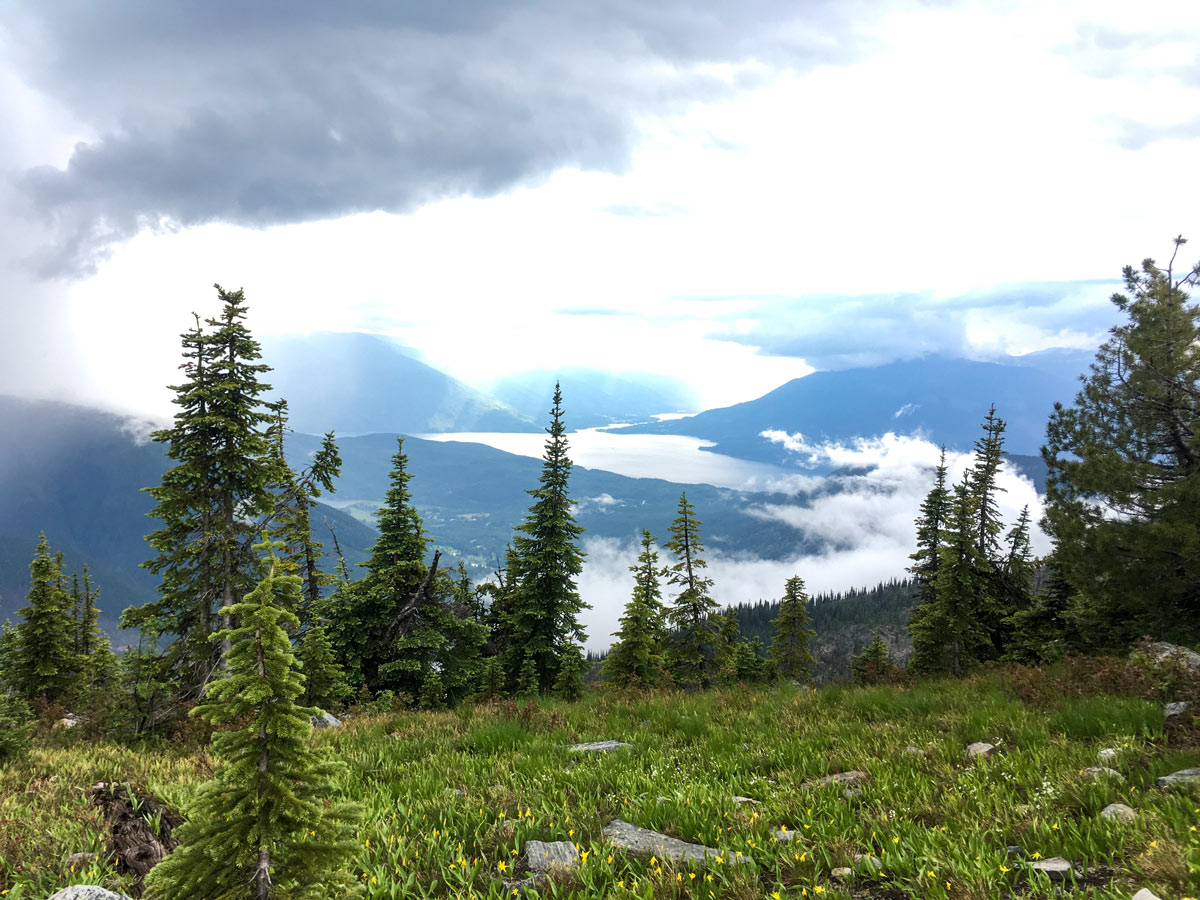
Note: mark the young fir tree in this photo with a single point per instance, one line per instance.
(97, 667)
(543, 621)
(637, 656)
(360, 615)
(874, 665)
(261, 827)
(981, 481)
(931, 525)
(568, 684)
(212, 503)
(692, 645)
(324, 682)
(750, 665)
(527, 678)
(952, 635)
(491, 683)
(1047, 628)
(728, 639)
(43, 661)
(1124, 469)
(789, 643)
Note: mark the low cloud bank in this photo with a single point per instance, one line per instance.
(864, 516)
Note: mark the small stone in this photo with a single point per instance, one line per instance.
(740, 801)
(599, 747)
(86, 892)
(1098, 772)
(542, 856)
(866, 859)
(910, 750)
(842, 872)
(1146, 894)
(644, 842)
(1056, 867)
(1107, 755)
(979, 749)
(785, 836)
(70, 720)
(1183, 776)
(326, 720)
(78, 861)
(1118, 811)
(532, 883)
(1176, 709)
(846, 779)
(1014, 852)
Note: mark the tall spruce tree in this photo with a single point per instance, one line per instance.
(691, 653)
(262, 826)
(1124, 469)
(543, 620)
(42, 659)
(215, 498)
(789, 644)
(981, 480)
(637, 656)
(728, 638)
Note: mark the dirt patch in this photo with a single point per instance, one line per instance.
(140, 829)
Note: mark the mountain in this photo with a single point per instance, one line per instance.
(941, 399)
(357, 383)
(593, 397)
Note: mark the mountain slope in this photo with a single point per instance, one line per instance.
(941, 399)
(359, 383)
(593, 397)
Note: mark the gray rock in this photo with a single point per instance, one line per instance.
(784, 836)
(78, 861)
(1056, 867)
(1146, 894)
(1014, 852)
(86, 892)
(599, 747)
(1162, 651)
(326, 720)
(846, 779)
(1118, 811)
(980, 748)
(871, 862)
(1183, 776)
(740, 801)
(911, 750)
(842, 872)
(644, 842)
(1176, 709)
(532, 883)
(542, 856)
(1107, 755)
(70, 720)
(1098, 772)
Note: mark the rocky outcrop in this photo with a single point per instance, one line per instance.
(86, 892)
(1182, 777)
(644, 842)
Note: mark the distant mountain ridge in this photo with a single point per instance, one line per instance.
(355, 383)
(941, 399)
(594, 397)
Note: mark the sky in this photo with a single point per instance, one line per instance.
(734, 194)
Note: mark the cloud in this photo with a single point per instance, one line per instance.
(280, 113)
(864, 517)
(848, 331)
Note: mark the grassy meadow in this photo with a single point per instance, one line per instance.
(448, 799)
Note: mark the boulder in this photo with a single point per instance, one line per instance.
(1182, 777)
(86, 892)
(1098, 772)
(1118, 812)
(542, 856)
(644, 842)
(980, 749)
(784, 836)
(1161, 651)
(1178, 708)
(326, 720)
(599, 747)
(1056, 867)
(1146, 894)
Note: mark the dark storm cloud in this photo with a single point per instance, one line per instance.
(277, 112)
(842, 332)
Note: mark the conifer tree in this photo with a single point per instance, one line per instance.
(96, 666)
(215, 499)
(789, 644)
(261, 826)
(692, 644)
(638, 653)
(1124, 469)
(492, 681)
(981, 481)
(527, 678)
(543, 621)
(44, 662)
(750, 664)
(324, 682)
(568, 684)
(874, 665)
(728, 639)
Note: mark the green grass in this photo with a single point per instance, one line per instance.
(450, 798)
